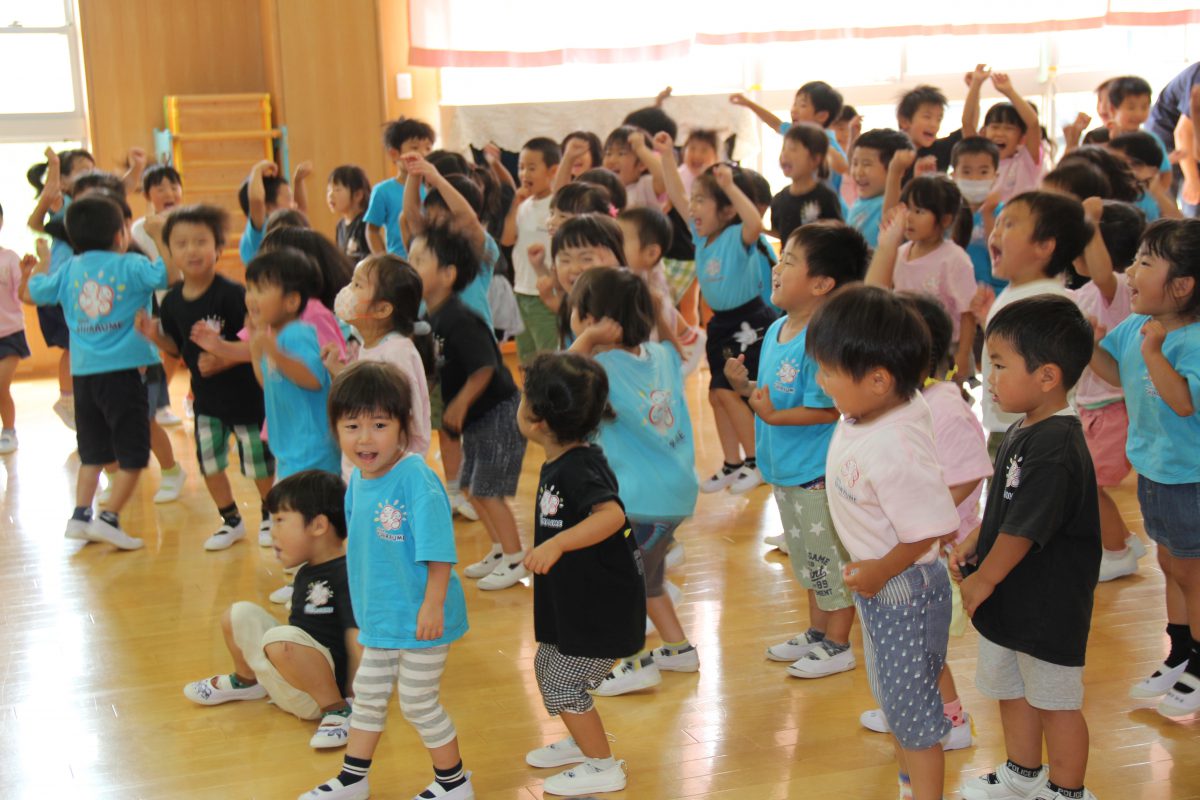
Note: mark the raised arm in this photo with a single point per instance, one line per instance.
(508, 236)
(752, 224)
(1033, 126)
(772, 121)
(133, 176)
(300, 185)
(576, 149)
(652, 162)
(882, 269)
(256, 193)
(491, 154)
(464, 216)
(412, 214)
(672, 181)
(51, 193)
(1097, 263)
(970, 115)
(901, 161)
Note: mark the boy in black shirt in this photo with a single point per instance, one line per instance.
(1038, 555)
(481, 399)
(307, 666)
(228, 400)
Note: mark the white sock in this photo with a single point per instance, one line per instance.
(602, 763)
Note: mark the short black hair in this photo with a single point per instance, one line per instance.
(1121, 227)
(1123, 184)
(156, 174)
(744, 179)
(399, 131)
(582, 197)
(940, 327)
(884, 141)
(706, 136)
(609, 180)
(652, 119)
(912, 100)
(99, 179)
(354, 178)
(849, 112)
(590, 230)
(93, 222)
(1046, 329)
(1061, 219)
(1177, 241)
(1139, 146)
(285, 218)
(312, 493)
(975, 144)
(1079, 178)
(812, 138)
(452, 248)
(551, 154)
(448, 162)
(290, 269)
(212, 217)
(1097, 136)
(823, 98)
(1005, 114)
(620, 295)
(619, 137)
(652, 225)
(833, 249)
(939, 195)
(861, 328)
(271, 184)
(334, 266)
(595, 149)
(568, 392)
(368, 387)
(1127, 86)
(464, 186)
(760, 188)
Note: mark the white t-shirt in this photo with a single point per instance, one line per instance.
(1093, 391)
(138, 232)
(885, 486)
(532, 218)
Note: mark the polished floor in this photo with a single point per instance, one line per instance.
(95, 646)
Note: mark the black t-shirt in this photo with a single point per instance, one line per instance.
(790, 211)
(682, 247)
(232, 396)
(592, 603)
(466, 345)
(941, 150)
(321, 608)
(352, 238)
(1045, 490)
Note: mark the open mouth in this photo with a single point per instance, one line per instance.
(366, 458)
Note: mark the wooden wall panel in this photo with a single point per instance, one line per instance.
(427, 88)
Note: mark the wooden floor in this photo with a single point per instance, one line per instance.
(96, 645)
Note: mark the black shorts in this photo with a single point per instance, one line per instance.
(54, 327)
(14, 345)
(736, 332)
(112, 419)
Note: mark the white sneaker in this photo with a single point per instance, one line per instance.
(264, 533)
(464, 791)
(101, 531)
(78, 529)
(166, 417)
(1004, 784)
(1179, 702)
(508, 573)
(719, 480)
(819, 663)
(460, 505)
(685, 661)
(960, 737)
(558, 754)
(585, 779)
(1117, 564)
(874, 720)
(695, 351)
(206, 693)
(8, 442)
(778, 541)
(171, 486)
(747, 478)
(486, 565)
(675, 556)
(64, 406)
(333, 731)
(355, 791)
(281, 596)
(1136, 545)
(793, 649)
(629, 675)
(1046, 793)
(1156, 685)
(225, 537)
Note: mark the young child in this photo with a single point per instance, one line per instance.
(1141, 151)
(794, 422)
(975, 161)
(919, 114)
(806, 199)
(1155, 355)
(347, 193)
(890, 507)
(930, 207)
(1129, 97)
(627, 153)
(227, 399)
(163, 189)
(524, 228)
(701, 150)
(382, 217)
(101, 291)
(286, 357)
(583, 242)
(1013, 127)
(877, 182)
(612, 315)
(589, 595)
(307, 666)
(1037, 553)
(264, 193)
(13, 346)
(400, 563)
(816, 102)
(726, 227)
(582, 150)
(481, 401)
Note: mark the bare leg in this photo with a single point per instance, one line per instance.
(240, 668)
(1187, 575)
(500, 521)
(1177, 606)
(362, 744)
(307, 670)
(818, 618)
(588, 732)
(1113, 531)
(65, 385)
(8, 409)
(160, 445)
(1022, 732)
(946, 685)
(446, 756)
(837, 629)
(219, 489)
(85, 484)
(1067, 746)
(662, 614)
(726, 431)
(264, 486)
(485, 516)
(452, 457)
(742, 419)
(926, 771)
(124, 482)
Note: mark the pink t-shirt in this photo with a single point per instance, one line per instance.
(947, 273)
(1093, 391)
(885, 486)
(1020, 172)
(642, 193)
(399, 351)
(12, 317)
(961, 448)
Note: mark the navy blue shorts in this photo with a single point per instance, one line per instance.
(112, 419)
(14, 345)
(54, 327)
(736, 332)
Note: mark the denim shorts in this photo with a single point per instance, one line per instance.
(1171, 514)
(906, 629)
(654, 538)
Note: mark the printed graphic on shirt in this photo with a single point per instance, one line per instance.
(1012, 477)
(810, 213)
(213, 323)
(388, 519)
(661, 416)
(318, 597)
(96, 299)
(549, 503)
(846, 479)
(747, 335)
(786, 376)
(1151, 389)
(713, 269)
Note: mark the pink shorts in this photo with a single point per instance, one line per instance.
(1105, 430)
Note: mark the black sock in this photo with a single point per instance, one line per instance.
(1076, 794)
(110, 518)
(447, 778)
(229, 514)
(1181, 644)
(750, 463)
(1193, 668)
(84, 514)
(728, 469)
(1024, 772)
(353, 771)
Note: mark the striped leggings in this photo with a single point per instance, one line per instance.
(418, 673)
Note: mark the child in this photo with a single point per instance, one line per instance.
(525, 227)
(701, 150)
(1038, 555)
(846, 129)
(286, 356)
(400, 137)
(726, 227)
(581, 151)
(794, 421)
(589, 596)
(919, 114)
(163, 189)
(347, 193)
(649, 446)
(1013, 127)
(228, 400)
(975, 161)
(930, 207)
(307, 666)
(1154, 355)
(13, 346)
(582, 243)
(400, 563)
(102, 290)
(816, 102)
(481, 401)
(627, 153)
(264, 193)
(889, 511)
(1129, 97)
(877, 182)
(1140, 150)
(806, 199)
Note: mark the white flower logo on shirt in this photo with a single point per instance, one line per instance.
(390, 517)
(811, 212)
(319, 594)
(850, 473)
(713, 267)
(213, 323)
(787, 371)
(661, 416)
(1151, 389)
(95, 300)
(550, 502)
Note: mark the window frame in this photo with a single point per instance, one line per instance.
(59, 126)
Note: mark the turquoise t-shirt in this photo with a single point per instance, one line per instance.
(1161, 445)
(250, 243)
(475, 296)
(100, 293)
(1149, 207)
(790, 455)
(397, 524)
(297, 421)
(981, 258)
(649, 445)
(725, 268)
(383, 211)
(865, 216)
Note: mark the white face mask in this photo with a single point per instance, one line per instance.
(346, 305)
(973, 191)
